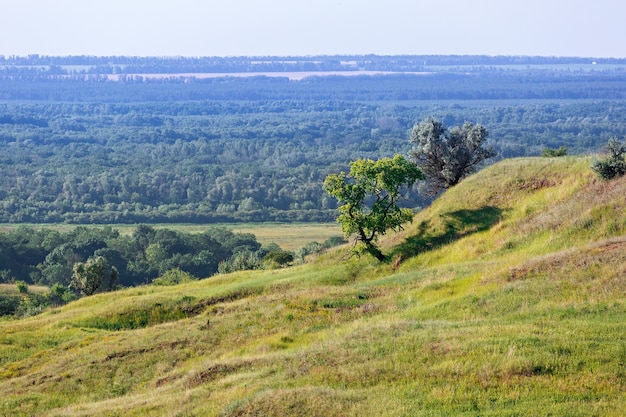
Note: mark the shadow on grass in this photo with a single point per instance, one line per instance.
(456, 224)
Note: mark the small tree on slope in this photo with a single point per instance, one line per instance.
(368, 195)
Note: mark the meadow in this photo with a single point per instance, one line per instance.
(505, 297)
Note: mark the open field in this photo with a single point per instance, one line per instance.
(505, 297)
(289, 236)
(12, 289)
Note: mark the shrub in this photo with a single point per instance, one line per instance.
(614, 165)
(59, 295)
(553, 153)
(22, 287)
(31, 305)
(173, 277)
(333, 241)
(310, 248)
(9, 304)
(277, 259)
(240, 261)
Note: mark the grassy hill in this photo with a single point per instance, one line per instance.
(506, 297)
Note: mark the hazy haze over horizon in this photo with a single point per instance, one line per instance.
(579, 28)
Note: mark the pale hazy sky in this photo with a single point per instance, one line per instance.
(588, 28)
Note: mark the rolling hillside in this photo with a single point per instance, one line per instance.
(506, 297)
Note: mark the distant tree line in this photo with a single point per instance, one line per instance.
(84, 64)
(489, 84)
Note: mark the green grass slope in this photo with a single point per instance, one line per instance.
(506, 297)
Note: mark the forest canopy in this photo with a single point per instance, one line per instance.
(78, 145)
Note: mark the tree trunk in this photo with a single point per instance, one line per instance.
(375, 252)
(370, 247)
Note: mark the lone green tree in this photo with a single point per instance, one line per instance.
(445, 155)
(368, 197)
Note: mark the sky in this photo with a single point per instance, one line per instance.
(581, 28)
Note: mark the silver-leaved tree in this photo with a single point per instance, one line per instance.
(446, 156)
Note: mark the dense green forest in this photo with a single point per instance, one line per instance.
(79, 147)
(46, 256)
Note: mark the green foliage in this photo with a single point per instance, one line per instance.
(91, 276)
(333, 241)
(310, 248)
(446, 156)
(22, 287)
(368, 195)
(48, 257)
(25, 303)
(241, 261)
(615, 164)
(174, 277)
(9, 303)
(31, 305)
(59, 295)
(314, 248)
(277, 259)
(554, 153)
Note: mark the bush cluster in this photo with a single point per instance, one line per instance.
(25, 303)
(614, 165)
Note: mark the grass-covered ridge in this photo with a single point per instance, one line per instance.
(505, 297)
